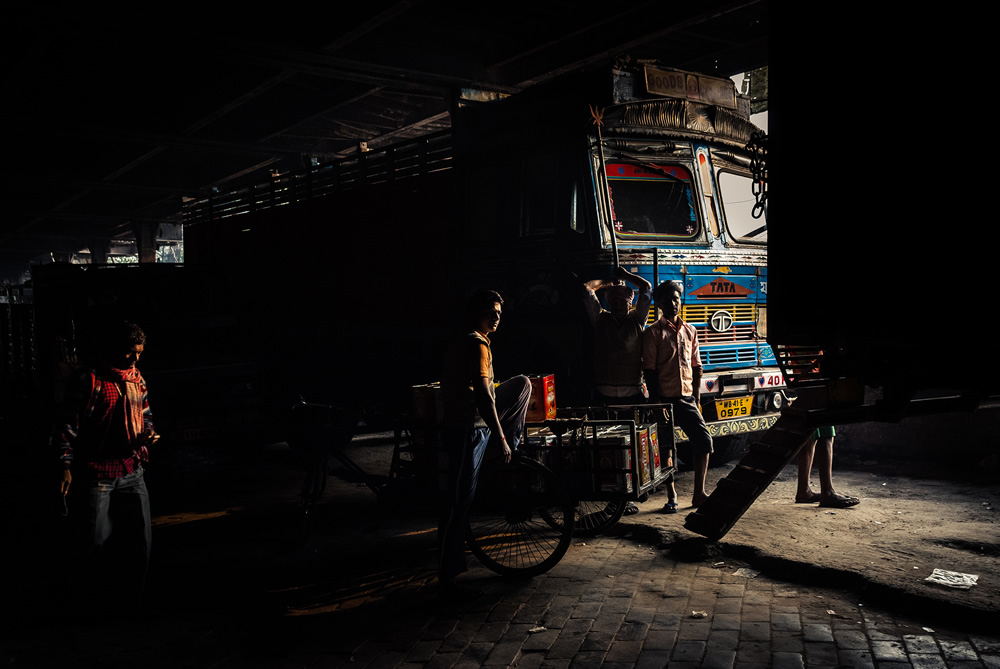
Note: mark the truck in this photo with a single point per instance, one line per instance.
(639, 165)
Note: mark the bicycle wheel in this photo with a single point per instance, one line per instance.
(596, 516)
(510, 525)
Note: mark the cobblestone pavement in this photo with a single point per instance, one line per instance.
(234, 588)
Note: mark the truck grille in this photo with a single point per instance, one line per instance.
(738, 355)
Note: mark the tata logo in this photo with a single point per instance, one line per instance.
(721, 287)
(721, 321)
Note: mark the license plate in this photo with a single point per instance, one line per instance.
(734, 408)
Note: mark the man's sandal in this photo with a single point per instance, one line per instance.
(839, 501)
(669, 507)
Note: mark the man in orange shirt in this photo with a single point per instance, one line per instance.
(672, 370)
(477, 416)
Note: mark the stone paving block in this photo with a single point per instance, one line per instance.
(850, 639)
(617, 605)
(608, 622)
(755, 631)
(729, 605)
(888, 651)
(457, 640)
(597, 641)
(727, 590)
(755, 612)
(958, 651)
(594, 595)
(853, 658)
(754, 652)
(920, 643)
(529, 660)
(516, 632)
(820, 654)
(556, 618)
(503, 653)
(659, 640)
(555, 663)
(529, 614)
(624, 651)
(489, 632)
(587, 610)
(817, 632)
(726, 621)
(787, 642)
(640, 615)
(423, 651)
(477, 652)
(785, 621)
(631, 631)
(652, 659)
(719, 659)
(443, 661)
(781, 660)
(565, 647)
(986, 646)
(540, 641)
(503, 611)
(576, 627)
(688, 651)
(696, 630)
(664, 620)
(440, 628)
(723, 639)
(588, 660)
(927, 661)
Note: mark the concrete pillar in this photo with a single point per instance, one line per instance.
(145, 240)
(99, 251)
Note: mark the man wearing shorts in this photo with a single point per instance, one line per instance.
(820, 447)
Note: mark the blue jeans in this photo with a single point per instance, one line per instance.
(114, 513)
(464, 449)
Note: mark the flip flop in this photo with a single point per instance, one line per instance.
(631, 509)
(812, 499)
(839, 502)
(669, 507)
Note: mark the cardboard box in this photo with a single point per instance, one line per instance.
(654, 449)
(645, 472)
(613, 463)
(542, 405)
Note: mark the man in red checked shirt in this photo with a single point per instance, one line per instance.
(103, 442)
(672, 369)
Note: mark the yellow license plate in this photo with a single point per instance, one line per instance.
(734, 408)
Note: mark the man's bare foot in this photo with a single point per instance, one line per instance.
(698, 500)
(808, 498)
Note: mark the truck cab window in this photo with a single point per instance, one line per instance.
(652, 201)
(738, 202)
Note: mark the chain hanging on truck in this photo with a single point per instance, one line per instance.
(757, 146)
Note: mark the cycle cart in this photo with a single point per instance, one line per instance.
(624, 453)
(572, 473)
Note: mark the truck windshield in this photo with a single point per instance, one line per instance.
(652, 201)
(738, 202)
